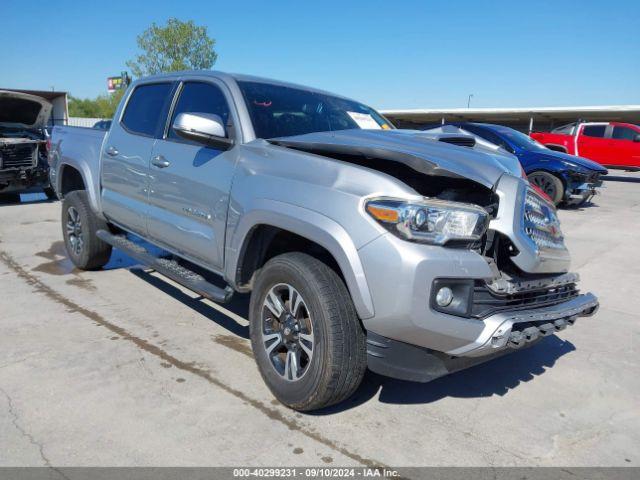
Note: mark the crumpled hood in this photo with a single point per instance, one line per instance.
(419, 150)
(580, 161)
(23, 110)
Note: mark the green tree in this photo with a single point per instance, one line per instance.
(103, 106)
(175, 46)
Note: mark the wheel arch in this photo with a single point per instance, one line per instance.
(278, 227)
(72, 177)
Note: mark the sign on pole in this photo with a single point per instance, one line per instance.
(118, 83)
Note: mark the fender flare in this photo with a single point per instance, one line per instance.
(313, 226)
(91, 184)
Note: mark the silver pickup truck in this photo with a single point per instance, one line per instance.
(412, 254)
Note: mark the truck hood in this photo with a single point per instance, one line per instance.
(23, 110)
(428, 153)
(566, 158)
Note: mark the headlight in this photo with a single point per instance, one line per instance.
(430, 220)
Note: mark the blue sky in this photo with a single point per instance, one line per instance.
(391, 54)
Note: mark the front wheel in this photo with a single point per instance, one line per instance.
(306, 336)
(50, 193)
(549, 184)
(79, 227)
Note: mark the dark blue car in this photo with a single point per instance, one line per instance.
(565, 178)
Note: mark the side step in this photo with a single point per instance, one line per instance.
(168, 268)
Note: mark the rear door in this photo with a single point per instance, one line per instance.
(190, 182)
(126, 154)
(594, 144)
(624, 145)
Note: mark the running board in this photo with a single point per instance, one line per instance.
(168, 268)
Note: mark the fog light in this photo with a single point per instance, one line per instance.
(444, 297)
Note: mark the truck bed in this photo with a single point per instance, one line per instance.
(78, 147)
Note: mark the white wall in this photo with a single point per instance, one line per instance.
(82, 121)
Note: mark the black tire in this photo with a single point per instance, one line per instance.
(93, 253)
(549, 184)
(8, 198)
(338, 361)
(50, 193)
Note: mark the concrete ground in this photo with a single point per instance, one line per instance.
(124, 368)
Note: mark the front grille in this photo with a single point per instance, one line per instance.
(460, 141)
(17, 156)
(541, 223)
(487, 302)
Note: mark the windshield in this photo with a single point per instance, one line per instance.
(279, 111)
(521, 140)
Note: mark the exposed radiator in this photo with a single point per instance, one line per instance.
(17, 155)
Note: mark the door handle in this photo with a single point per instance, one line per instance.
(160, 162)
(112, 151)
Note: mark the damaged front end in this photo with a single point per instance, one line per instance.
(23, 164)
(581, 187)
(464, 287)
(23, 149)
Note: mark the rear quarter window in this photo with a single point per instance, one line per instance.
(145, 108)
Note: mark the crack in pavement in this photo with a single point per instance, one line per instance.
(40, 287)
(14, 420)
(27, 435)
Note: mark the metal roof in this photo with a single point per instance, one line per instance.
(46, 94)
(628, 113)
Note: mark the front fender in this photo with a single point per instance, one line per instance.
(313, 226)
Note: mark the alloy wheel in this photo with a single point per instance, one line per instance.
(544, 184)
(74, 231)
(287, 332)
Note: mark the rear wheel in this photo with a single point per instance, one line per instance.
(79, 227)
(549, 184)
(305, 333)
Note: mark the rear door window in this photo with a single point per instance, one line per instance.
(145, 109)
(596, 131)
(624, 133)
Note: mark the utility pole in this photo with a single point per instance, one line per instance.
(469, 100)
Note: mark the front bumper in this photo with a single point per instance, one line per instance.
(515, 329)
(405, 361)
(400, 276)
(581, 190)
(20, 180)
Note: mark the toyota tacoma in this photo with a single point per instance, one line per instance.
(412, 254)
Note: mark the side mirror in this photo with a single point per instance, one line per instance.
(637, 138)
(205, 128)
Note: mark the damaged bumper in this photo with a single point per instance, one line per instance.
(12, 181)
(583, 189)
(515, 329)
(419, 364)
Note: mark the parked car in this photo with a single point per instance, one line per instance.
(23, 144)
(612, 144)
(102, 125)
(566, 179)
(411, 253)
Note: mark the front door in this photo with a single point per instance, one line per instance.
(593, 144)
(625, 147)
(190, 183)
(126, 153)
